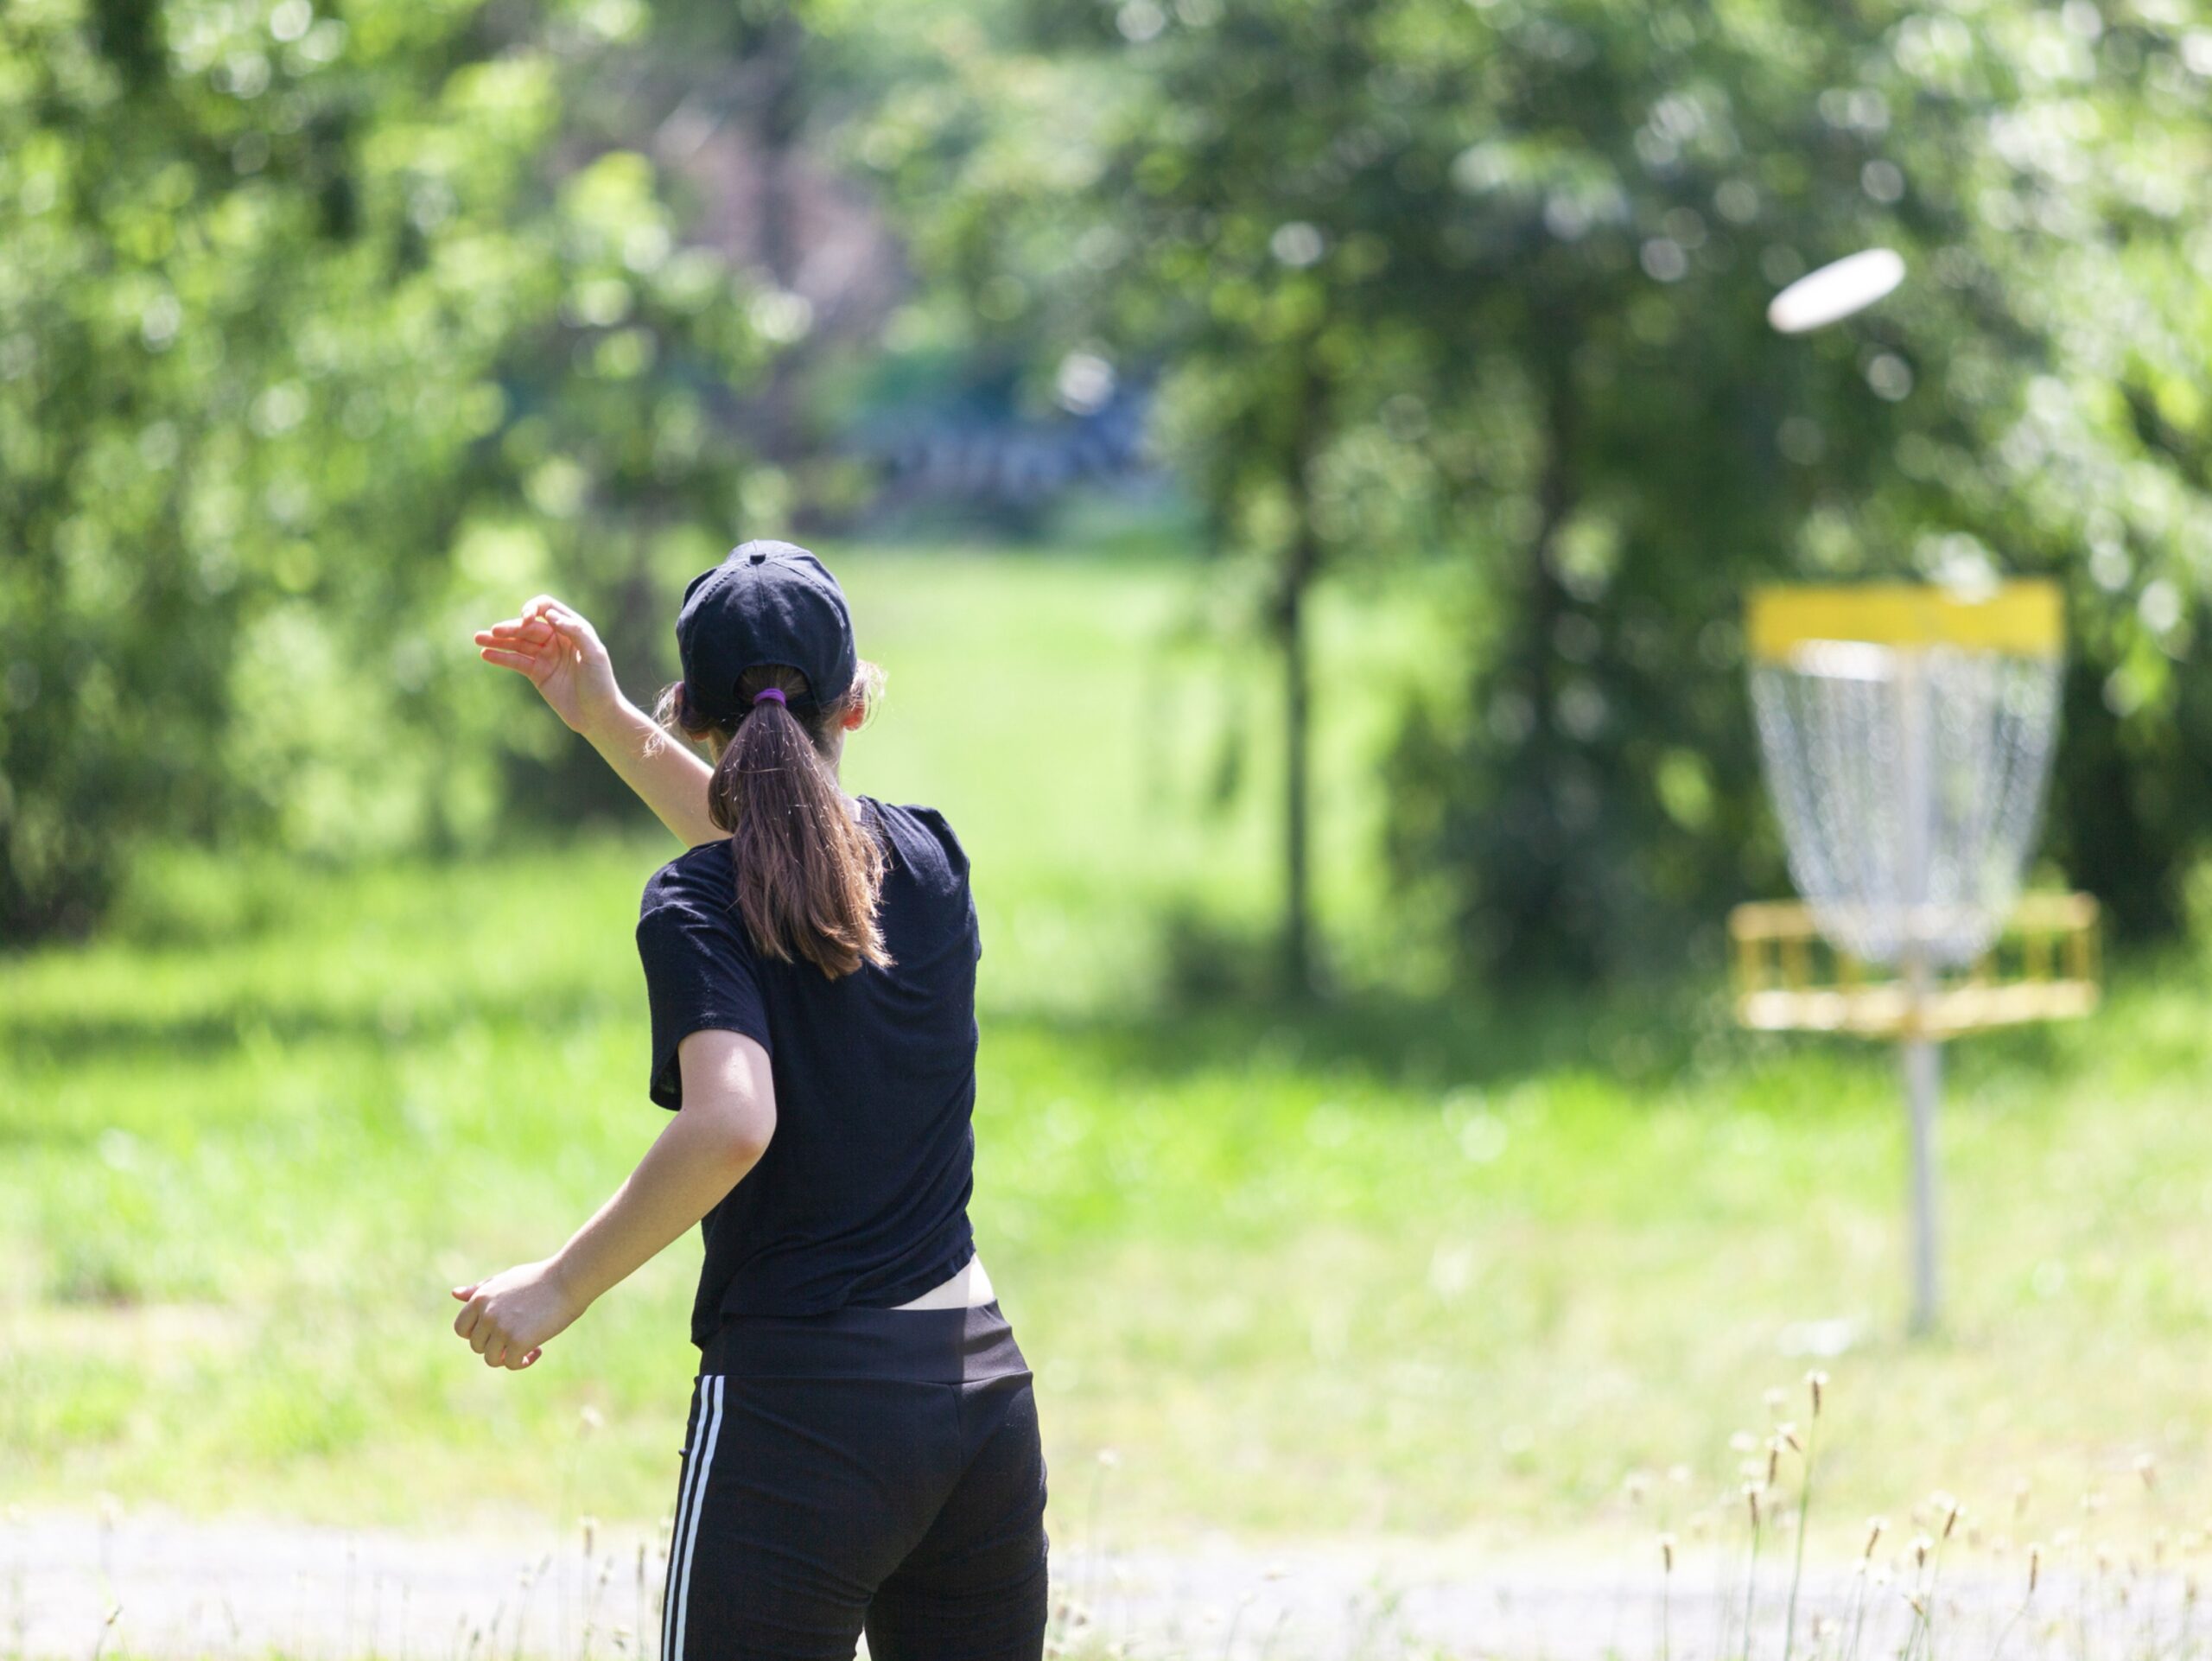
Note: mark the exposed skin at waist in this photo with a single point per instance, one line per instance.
(968, 1288)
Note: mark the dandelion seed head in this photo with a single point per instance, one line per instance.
(1946, 1506)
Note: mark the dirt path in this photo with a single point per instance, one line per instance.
(232, 1588)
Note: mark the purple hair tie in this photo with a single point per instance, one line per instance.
(767, 692)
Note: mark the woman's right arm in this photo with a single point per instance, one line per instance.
(561, 654)
(727, 1117)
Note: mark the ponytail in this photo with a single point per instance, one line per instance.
(808, 874)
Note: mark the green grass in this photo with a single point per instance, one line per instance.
(1411, 1261)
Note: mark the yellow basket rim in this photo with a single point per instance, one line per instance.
(2026, 618)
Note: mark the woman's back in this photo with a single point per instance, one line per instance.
(862, 1452)
(861, 1196)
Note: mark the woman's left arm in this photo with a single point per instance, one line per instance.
(715, 1138)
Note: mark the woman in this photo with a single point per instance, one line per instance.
(862, 1448)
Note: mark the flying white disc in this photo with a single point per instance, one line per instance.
(1834, 292)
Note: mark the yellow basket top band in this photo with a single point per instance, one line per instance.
(2024, 619)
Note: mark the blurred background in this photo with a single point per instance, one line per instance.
(1301, 463)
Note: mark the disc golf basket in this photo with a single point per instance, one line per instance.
(1907, 736)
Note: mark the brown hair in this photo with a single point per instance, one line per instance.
(808, 873)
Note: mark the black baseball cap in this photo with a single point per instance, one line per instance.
(769, 602)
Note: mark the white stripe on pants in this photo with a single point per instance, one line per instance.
(684, 1538)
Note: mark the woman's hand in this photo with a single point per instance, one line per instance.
(509, 1317)
(561, 653)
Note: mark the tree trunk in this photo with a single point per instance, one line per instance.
(1534, 914)
(1297, 720)
(1301, 563)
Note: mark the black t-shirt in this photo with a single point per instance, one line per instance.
(861, 1197)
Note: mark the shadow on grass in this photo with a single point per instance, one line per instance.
(1405, 1041)
(49, 1038)
(1651, 1036)
(1213, 1010)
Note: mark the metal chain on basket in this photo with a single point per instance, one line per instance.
(1832, 719)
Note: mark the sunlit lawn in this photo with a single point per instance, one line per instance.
(1407, 1261)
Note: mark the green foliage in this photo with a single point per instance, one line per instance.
(315, 352)
(323, 336)
(1487, 283)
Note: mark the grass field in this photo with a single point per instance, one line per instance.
(1409, 1261)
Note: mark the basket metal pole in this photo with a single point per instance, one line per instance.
(1923, 1077)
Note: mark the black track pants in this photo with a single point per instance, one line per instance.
(875, 1468)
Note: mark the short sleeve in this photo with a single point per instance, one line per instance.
(699, 974)
(957, 866)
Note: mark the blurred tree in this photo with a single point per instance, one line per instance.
(323, 336)
(1489, 280)
(311, 357)
(1109, 190)
(1597, 788)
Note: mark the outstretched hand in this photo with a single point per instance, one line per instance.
(509, 1318)
(561, 653)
